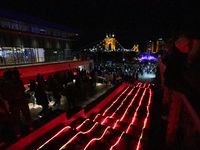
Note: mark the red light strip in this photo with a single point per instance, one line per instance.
(60, 132)
(82, 123)
(54, 137)
(137, 84)
(122, 103)
(104, 120)
(95, 139)
(114, 101)
(140, 84)
(133, 120)
(144, 85)
(145, 121)
(80, 132)
(130, 104)
(96, 117)
(115, 124)
(148, 85)
(117, 141)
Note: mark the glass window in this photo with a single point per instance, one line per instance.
(35, 30)
(22, 27)
(4, 24)
(64, 35)
(20, 56)
(30, 55)
(40, 55)
(42, 31)
(2, 58)
(14, 25)
(8, 55)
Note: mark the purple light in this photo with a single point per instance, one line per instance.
(148, 58)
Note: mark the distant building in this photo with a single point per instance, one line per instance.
(159, 45)
(24, 39)
(150, 47)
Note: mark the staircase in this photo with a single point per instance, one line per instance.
(121, 125)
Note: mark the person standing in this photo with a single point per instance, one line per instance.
(41, 99)
(13, 90)
(111, 78)
(136, 76)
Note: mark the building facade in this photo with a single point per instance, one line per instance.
(150, 47)
(25, 39)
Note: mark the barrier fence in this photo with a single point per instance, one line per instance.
(183, 129)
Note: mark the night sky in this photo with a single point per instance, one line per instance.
(133, 21)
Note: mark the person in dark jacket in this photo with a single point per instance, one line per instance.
(41, 98)
(13, 91)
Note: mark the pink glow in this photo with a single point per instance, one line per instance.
(122, 102)
(144, 85)
(96, 117)
(115, 124)
(104, 120)
(133, 120)
(67, 127)
(95, 139)
(80, 132)
(117, 141)
(114, 101)
(82, 123)
(145, 121)
(130, 104)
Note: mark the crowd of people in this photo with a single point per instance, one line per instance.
(182, 75)
(13, 95)
(123, 72)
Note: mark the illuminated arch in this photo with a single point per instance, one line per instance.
(110, 41)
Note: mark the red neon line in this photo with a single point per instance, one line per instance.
(114, 102)
(145, 121)
(140, 84)
(144, 85)
(96, 117)
(115, 124)
(95, 139)
(104, 120)
(137, 84)
(117, 141)
(82, 124)
(53, 137)
(80, 132)
(122, 103)
(133, 120)
(130, 104)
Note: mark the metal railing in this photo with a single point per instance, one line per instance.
(183, 129)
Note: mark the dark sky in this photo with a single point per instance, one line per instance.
(133, 21)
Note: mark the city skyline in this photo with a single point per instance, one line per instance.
(132, 22)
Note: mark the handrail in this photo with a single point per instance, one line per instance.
(183, 131)
(194, 115)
